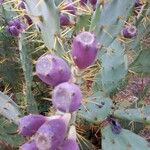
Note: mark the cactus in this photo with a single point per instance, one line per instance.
(114, 67)
(86, 51)
(9, 108)
(111, 141)
(141, 64)
(25, 57)
(46, 17)
(97, 109)
(134, 114)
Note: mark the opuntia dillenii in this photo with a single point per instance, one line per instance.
(84, 49)
(29, 124)
(29, 146)
(14, 27)
(28, 19)
(137, 3)
(70, 7)
(64, 20)
(83, 2)
(51, 134)
(52, 70)
(21, 5)
(67, 97)
(129, 31)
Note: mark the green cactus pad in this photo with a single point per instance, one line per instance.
(97, 108)
(141, 64)
(8, 108)
(114, 67)
(136, 114)
(126, 140)
(46, 17)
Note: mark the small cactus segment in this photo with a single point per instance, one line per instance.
(122, 141)
(141, 64)
(52, 69)
(67, 97)
(46, 18)
(26, 62)
(28, 125)
(135, 114)
(129, 31)
(84, 49)
(109, 28)
(29, 146)
(114, 67)
(97, 109)
(8, 108)
(51, 134)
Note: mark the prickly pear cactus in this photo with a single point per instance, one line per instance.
(82, 74)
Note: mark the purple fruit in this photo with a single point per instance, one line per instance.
(70, 7)
(17, 23)
(137, 3)
(1, 1)
(67, 97)
(83, 2)
(28, 125)
(129, 31)
(21, 5)
(52, 69)
(12, 30)
(28, 19)
(93, 2)
(70, 144)
(14, 27)
(29, 146)
(84, 49)
(51, 134)
(64, 20)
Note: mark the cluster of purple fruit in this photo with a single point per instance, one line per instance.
(70, 8)
(50, 133)
(16, 26)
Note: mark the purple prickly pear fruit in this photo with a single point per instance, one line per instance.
(52, 69)
(137, 3)
(84, 49)
(64, 20)
(93, 3)
(16, 22)
(1, 2)
(83, 2)
(52, 133)
(67, 97)
(129, 31)
(21, 5)
(14, 27)
(29, 146)
(70, 7)
(28, 125)
(28, 19)
(12, 30)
